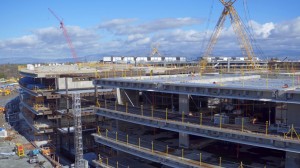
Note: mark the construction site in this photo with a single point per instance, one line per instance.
(159, 111)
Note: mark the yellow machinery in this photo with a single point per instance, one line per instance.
(20, 150)
(239, 29)
(47, 151)
(5, 92)
(2, 109)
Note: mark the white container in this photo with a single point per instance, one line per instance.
(107, 59)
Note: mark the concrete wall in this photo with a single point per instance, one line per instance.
(74, 85)
(293, 114)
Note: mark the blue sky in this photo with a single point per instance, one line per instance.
(129, 27)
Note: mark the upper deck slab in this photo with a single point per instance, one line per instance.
(251, 87)
(56, 71)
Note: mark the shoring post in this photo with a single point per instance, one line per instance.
(220, 121)
(107, 161)
(200, 118)
(167, 150)
(267, 123)
(99, 133)
(152, 110)
(127, 139)
(142, 110)
(200, 161)
(106, 133)
(242, 124)
(182, 117)
(292, 130)
(116, 105)
(139, 143)
(220, 161)
(105, 103)
(117, 164)
(116, 136)
(152, 146)
(182, 153)
(166, 114)
(126, 107)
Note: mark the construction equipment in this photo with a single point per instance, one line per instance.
(67, 37)
(19, 150)
(6, 92)
(155, 50)
(2, 109)
(33, 156)
(45, 150)
(239, 29)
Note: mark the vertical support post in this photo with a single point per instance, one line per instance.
(105, 103)
(139, 143)
(182, 117)
(200, 118)
(220, 161)
(292, 130)
(152, 110)
(166, 114)
(142, 110)
(99, 133)
(117, 164)
(243, 124)
(220, 121)
(116, 105)
(200, 161)
(116, 136)
(106, 133)
(267, 123)
(167, 150)
(182, 153)
(152, 146)
(126, 107)
(127, 139)
(107, 161)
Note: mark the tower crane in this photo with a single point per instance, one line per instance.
(239, 29)
(67, 37)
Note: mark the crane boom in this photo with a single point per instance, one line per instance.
(239, 29)
(66, 35)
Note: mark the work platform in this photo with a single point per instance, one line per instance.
(237, 136)
(248, 87)
(155, 154)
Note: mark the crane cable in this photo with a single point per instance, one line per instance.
(250, 29)
(207, 26)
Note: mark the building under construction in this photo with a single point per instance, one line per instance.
(165, 112)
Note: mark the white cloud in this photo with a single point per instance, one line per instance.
(126, 37)
(262, 30)
(128, 26)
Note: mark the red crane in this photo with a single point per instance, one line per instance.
(67, 37)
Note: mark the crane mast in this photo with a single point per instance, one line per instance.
(239, 29)
(66, 35)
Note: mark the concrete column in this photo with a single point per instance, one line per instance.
(119, 97)
(184, 103)
(184, 139)
(292, 159)
(292, 116)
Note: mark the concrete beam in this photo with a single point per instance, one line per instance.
(247, 138)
